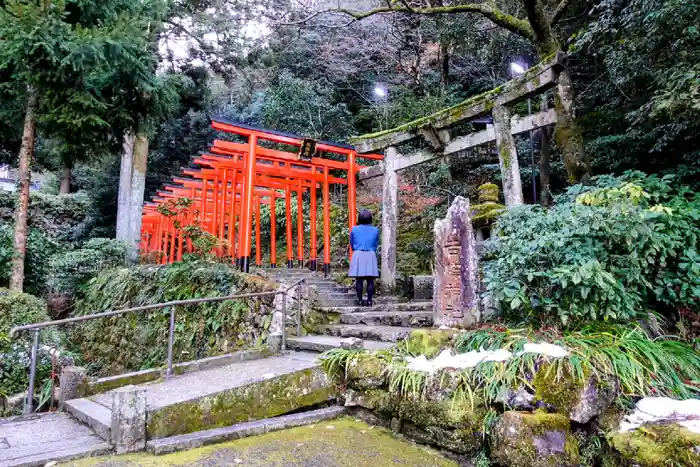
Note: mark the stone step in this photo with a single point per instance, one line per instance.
(327, 301)
(242, 430)
(96, 416)
(228, 394)
(44, 439)
(376, 333)
(322, 343)
(351, 294)
(386, 307)
(389, 318)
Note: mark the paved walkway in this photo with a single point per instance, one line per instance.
(343, 442)
(215, 380)
(42, 438)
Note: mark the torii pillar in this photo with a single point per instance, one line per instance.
(390, 211)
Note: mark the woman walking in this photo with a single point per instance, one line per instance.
(364, 239)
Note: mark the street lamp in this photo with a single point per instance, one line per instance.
(382, 93)
(518, 69)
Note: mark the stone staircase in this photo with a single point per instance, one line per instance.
(380, 326)
(215, 402)
(214, 399)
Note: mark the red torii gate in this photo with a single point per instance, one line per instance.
(233, 180)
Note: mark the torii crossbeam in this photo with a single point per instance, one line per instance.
(232, 180)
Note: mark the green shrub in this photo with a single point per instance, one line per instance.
(139, 340)
(67, 218)
(17, 309)
(70, 271)
(40, 248)
(610, 251)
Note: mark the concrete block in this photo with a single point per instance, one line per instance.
(129, 419)
(73, 383)
(274, 342)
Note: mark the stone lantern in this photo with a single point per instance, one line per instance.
(486, 211)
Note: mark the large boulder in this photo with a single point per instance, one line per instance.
(581, 400)
(539, 439)
(655, 444)
(367, 371)
(429, 342)
(659, 431)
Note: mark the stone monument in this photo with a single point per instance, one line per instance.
(455, 294)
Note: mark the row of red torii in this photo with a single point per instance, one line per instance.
(224, 194)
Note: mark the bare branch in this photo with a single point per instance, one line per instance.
(559, 11)
(515, 25)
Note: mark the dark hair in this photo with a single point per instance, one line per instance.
(365, 217)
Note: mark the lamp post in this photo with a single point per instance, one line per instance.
(518, 69)
(381, 93)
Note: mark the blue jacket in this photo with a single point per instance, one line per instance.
(364, 238)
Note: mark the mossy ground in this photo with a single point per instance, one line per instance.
(342, 442)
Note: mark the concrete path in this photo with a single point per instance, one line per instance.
(215, 380)
(38, 439)
(344, 442)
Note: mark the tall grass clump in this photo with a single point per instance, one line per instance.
(644, 366)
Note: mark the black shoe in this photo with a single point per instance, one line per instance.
(368, 302)
(360, 302)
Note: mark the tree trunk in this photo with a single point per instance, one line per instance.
(123, 205)
(21, 215)
(567, 133)
(66, 174)
(138, 187)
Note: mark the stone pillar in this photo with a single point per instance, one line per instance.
(129, 419)
(455, 293)
(390, 210)
(73, 384)
(507, 157)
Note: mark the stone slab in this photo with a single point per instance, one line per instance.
(145, 376)
(377, 333)
(96, 416)
(215, 380)
(389, 318)
(39, 439)
(406, 306)
(242, 430)
(323, 343)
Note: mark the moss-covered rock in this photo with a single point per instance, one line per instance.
(367, 371)
(265, 399)
(539, 439)
(429, 342)
(579, 399)
(654, 445)
(452, 423)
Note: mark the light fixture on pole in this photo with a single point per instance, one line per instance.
(518, 69)
(382, 93)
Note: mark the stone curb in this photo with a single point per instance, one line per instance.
(243, 430)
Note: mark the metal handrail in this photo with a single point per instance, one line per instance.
(36, 327)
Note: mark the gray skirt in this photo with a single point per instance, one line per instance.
(363, 264)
